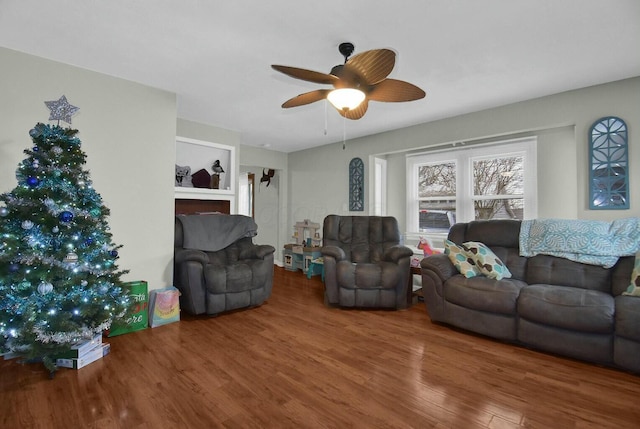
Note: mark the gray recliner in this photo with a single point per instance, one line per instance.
(364, 263)
(217, 267)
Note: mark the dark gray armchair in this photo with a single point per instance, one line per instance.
(364, 263)
(217, 267)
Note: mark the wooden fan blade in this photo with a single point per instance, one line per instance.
(356, 113)
(308, 75)
(306, 98)
(392, 90)
(374, 65)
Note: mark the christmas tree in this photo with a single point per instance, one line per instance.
(59, 282)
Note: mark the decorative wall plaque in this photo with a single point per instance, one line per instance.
(356, 185)
(608, 164)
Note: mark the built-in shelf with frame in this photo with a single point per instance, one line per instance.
(201, 155)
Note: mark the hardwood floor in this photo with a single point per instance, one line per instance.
(294, 363)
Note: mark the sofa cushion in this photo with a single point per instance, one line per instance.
(620, 274)
(493, 233)
(568, 308)
(237, 277)
(551, 270)
(634, 285)
(362, 238)
(484, 294)
(458, 257)
(486, 261)
(382, 275)
(628, 317)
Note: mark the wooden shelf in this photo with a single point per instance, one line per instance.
(198, 154)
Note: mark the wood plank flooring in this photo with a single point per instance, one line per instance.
(294, 363)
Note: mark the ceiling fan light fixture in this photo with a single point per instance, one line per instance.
(346, 98)
(360, 80)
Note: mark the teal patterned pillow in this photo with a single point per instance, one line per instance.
(634, 286)
(486, 261)
(459, 259)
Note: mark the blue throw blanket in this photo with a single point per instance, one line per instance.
(215, 232)
(587, 241)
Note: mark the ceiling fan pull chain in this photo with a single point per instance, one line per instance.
(344, 132)
(325, 116)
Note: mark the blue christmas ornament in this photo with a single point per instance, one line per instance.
(88, 241)
(14, 267)
(113, 253)
(36, 148)
(94, 212)
(65, 216)
(33, 181)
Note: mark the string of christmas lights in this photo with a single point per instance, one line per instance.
(59, 280)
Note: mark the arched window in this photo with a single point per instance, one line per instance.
(609, 164)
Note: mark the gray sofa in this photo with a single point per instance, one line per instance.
(364, 264)
(549, 303)
(217, 267)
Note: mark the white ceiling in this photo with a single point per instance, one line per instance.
(468, 55)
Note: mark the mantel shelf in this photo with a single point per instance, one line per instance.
(203, 193)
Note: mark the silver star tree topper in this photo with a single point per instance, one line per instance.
(61, 110)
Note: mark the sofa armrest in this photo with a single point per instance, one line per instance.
(440, 265)
(333, 251)
(436, 270)
(188, 278)
(397, 252)
(258, 251)
(184, 255)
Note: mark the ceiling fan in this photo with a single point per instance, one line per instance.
(359, 80)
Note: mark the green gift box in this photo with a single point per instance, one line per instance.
(136, 316)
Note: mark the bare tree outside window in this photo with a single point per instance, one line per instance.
(471, 183)
(503, 180)
(437, 197)
(498, 189)
(437, 180)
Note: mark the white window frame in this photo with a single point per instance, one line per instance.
(464, 157)
(379, 189)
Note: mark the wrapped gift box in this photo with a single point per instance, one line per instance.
(137, 316)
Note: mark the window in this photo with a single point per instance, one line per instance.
(498, 187)
(496, 181)
(380, 187)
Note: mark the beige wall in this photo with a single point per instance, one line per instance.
(198, 131)
(318, 177)
(271, 202)
(128, 133)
